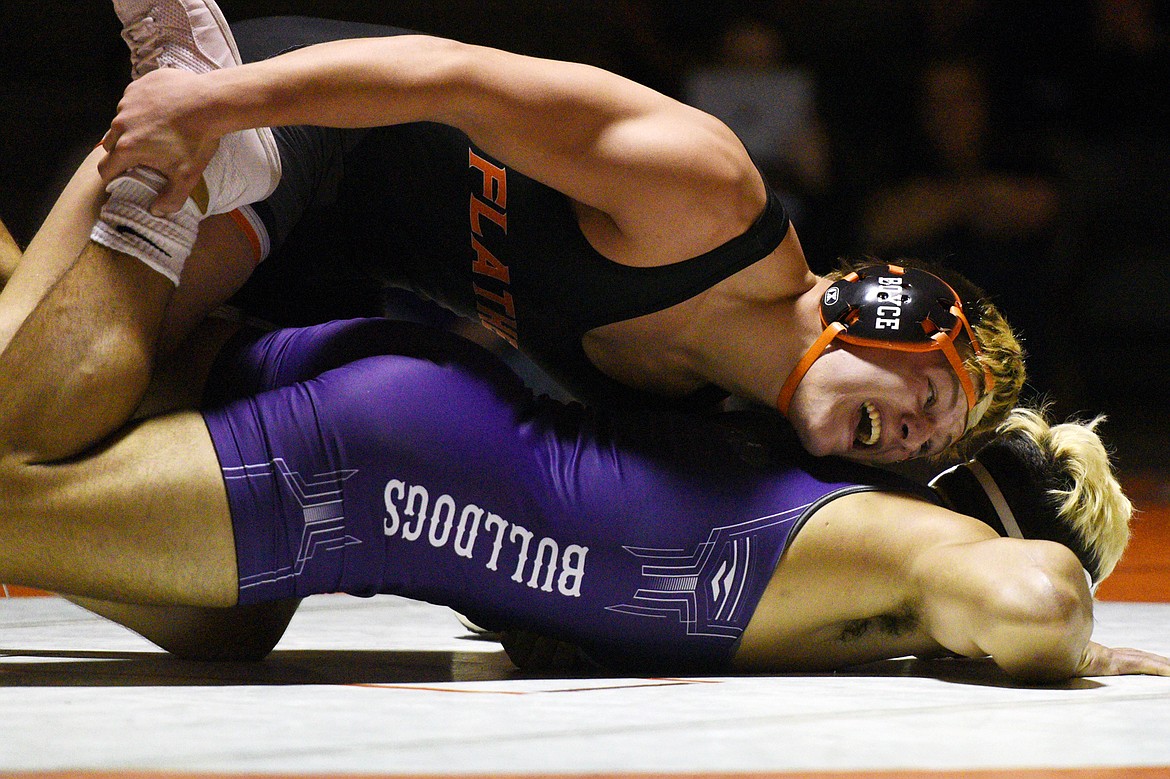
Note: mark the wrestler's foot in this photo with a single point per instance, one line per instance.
(193, 35)
(189, 35)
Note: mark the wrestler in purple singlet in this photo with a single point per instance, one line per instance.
(381, 457)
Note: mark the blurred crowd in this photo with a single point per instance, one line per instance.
(1022, 143)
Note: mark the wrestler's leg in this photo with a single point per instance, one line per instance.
(54, 248)
(122, 358)
(99, 314)
(222, 259)
(244, 633)
(96, 355)
(113, 524)
(100, 524)
(9, 255)
(208, 634)
(143, 519)
(75, 370)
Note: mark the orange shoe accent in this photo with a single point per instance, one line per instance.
(250, 233)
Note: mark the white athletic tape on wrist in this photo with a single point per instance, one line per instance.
(126, 225)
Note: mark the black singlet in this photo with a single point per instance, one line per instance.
(418, 206)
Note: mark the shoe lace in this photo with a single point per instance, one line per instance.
(142, 37)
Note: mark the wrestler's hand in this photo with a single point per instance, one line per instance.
(1100, 660)
(162, 123)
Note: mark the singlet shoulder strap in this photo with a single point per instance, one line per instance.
(646, 290)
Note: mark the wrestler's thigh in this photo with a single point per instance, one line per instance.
(144, 519)
(221, 262)
(9, 254)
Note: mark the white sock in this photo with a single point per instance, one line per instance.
(126, 224)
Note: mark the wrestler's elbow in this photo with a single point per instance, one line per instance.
(1042, 618)
(18, 484)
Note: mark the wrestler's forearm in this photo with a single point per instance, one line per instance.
(353, 83)
(1037, 617)
(348, 84)
(1046, 649)
(371, 82)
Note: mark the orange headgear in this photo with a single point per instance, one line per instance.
(891, 307)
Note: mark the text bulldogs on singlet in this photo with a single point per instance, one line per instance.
(409, 510)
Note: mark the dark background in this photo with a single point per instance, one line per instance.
(1078, 95)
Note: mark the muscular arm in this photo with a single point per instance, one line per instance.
(1025, 604)
(644, 160)
(236, 633)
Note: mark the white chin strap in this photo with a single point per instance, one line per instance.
(998, 501)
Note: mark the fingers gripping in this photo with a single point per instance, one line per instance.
(155, 129)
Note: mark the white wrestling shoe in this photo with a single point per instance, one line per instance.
(193, 35)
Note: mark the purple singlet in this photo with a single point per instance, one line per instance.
(372, 457)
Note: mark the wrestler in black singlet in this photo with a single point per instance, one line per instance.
(418, 206)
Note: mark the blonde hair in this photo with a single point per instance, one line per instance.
(1083, 486)
(1001, 353)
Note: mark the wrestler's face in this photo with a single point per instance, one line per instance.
(878, 405)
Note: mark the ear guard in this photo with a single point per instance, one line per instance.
(891, 307)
